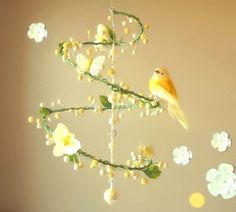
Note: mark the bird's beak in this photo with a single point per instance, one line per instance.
(157, 71)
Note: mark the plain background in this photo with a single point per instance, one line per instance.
(195, 40)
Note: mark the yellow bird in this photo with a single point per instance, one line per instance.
(161, 86)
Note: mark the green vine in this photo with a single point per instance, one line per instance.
(148, 167)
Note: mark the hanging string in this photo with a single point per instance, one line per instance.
(112, 128)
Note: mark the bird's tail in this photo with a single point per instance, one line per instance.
(175, 111)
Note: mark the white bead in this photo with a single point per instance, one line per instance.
(101, 172)
(48, 142)
(66, 159)
(110, 196)
(31, 119)
(76, 166)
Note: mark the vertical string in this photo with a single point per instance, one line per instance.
(112, 133)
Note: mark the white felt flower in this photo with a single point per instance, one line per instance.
(221, 141)
(66, 143)
(182, 155)
(222, 181)
(37, 31)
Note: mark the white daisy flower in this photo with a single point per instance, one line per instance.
(221, 141)
(182, 155)
(37, 31)
(222, 181)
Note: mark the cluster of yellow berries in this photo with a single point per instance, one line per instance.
(67, 45)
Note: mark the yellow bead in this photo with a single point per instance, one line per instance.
(56, 52)
(31, 119)
(144, 180)
(147, 106)
(80, 164)
(133, 35)
(88, 51)
(133, 100)
(109, 169)
(111, 72)
(109, 18)
(110, 175)
(128, 162)
(132, 173)
(38, 121)
(142, 114)
(94, 163)
(90, 79)
(57, 115)
(154, 103)
(164, 165)
(133, 52)
(41, 104)
(122, 84)
(80, 77)
(145, 41)
(141, 104)
(142, 36)
(90, 98)
(131, 43)
(126, 174)
(131, 20)
(126, 30)
(47, 136)
(81, 111)
(123, 23)
(126, 87)
(146, 26)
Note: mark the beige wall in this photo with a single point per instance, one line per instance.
(194, 39)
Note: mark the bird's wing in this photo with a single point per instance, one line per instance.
(166, 95)
(168, 85)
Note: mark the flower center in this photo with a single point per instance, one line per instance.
(67, 140)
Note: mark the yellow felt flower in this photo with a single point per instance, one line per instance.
(66, 143)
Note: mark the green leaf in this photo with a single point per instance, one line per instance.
(104, 101)
(61, 47)
(61, 44)
(152, 171)
(45, 111)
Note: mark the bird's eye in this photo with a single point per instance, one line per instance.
(162, 73)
